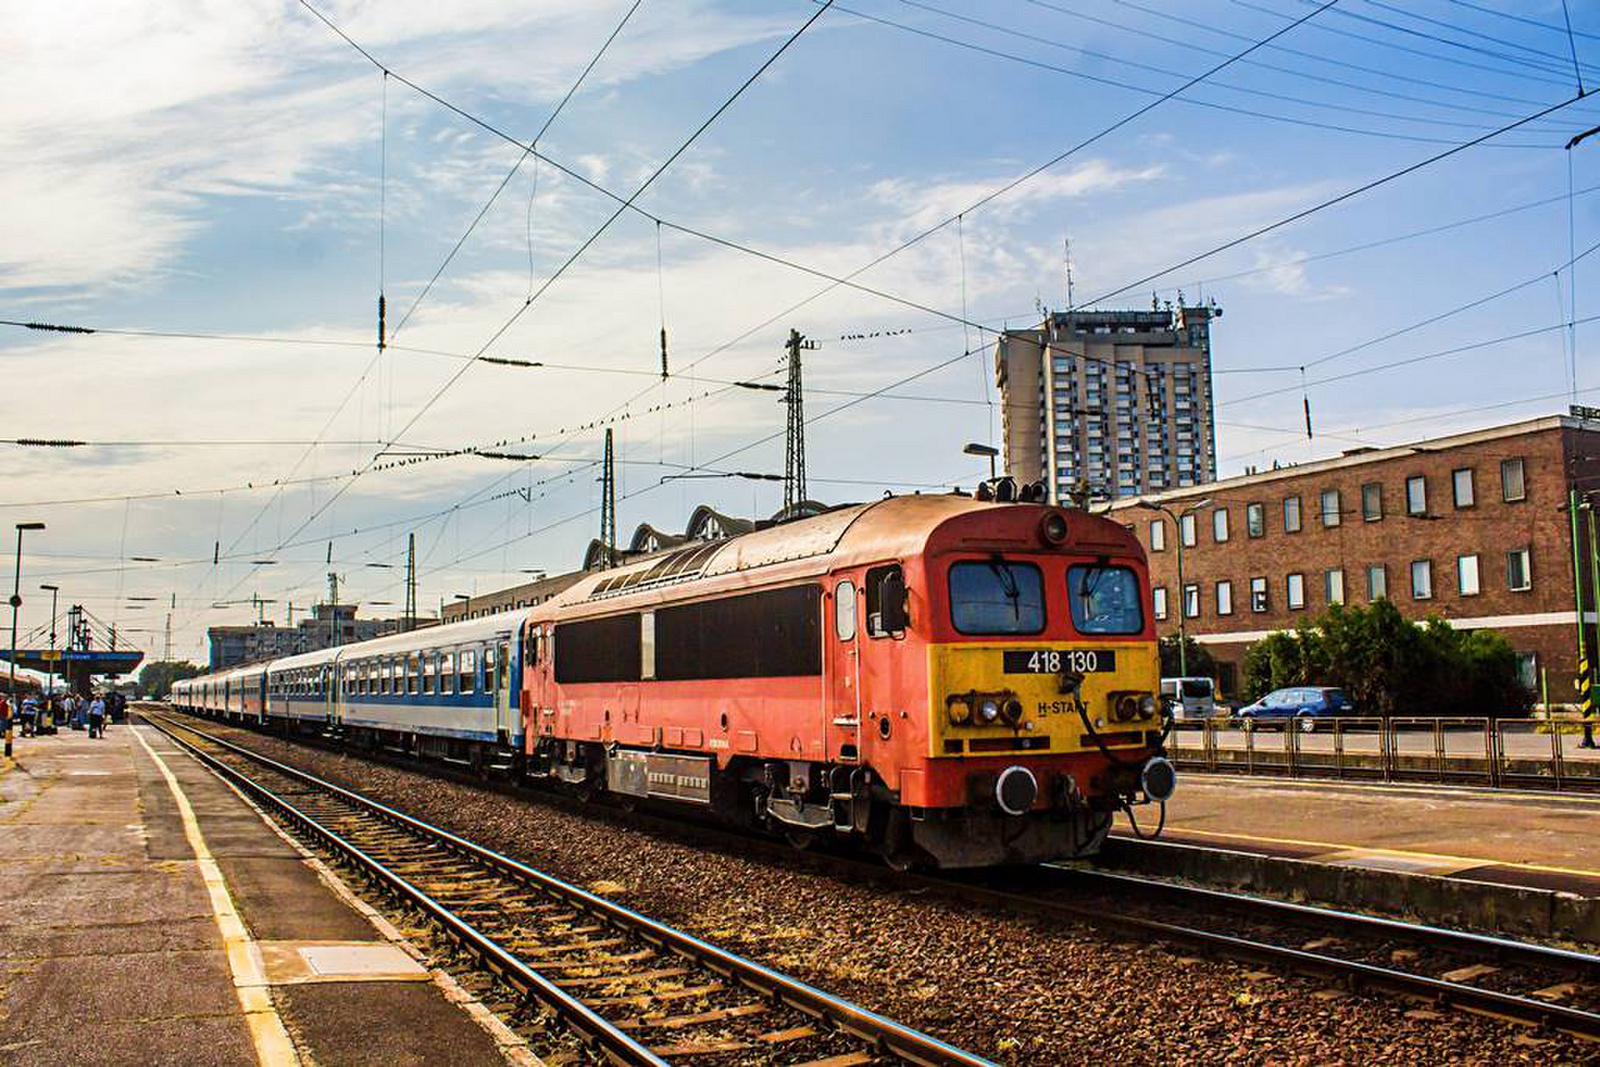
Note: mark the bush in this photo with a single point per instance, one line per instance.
(1200, 662)
(1390, 666)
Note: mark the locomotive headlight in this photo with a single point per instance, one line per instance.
(958, 710)
(989, 710)
(1126, 708)
(1054, 528)
(1147, 707)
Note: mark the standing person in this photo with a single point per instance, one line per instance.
(97, 717)
(30, 716)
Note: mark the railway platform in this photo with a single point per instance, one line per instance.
(153, 916)
(1522, 861)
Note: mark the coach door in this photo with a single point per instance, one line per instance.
(843, 704)
(505, 709)
(330, 690)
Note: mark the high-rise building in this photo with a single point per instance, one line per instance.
(1109, 404)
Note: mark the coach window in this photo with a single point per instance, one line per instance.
(844, 610)
(430, 666)
(413, 674)
(469, 670)
(447, 672)
(488, 669)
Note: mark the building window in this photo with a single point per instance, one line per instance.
(1467, 575)
(1219, 525)
(1461, 486)
(1377, 582)
(1291, 514)
(1258, 595)
(1372, 501)
(1417, 495)
(1295, 590)
(1186, 530)
(1528, 670)
(1158, 602)
(1421, 579)
(1333, 585)
(1519, 570)
(1191, 601)
(1512, 487)
(1255, 520)
(1158, 535)
(1224, 598)
(1330, 507)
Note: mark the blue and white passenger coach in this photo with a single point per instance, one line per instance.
(445, 691)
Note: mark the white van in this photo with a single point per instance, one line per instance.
(1189, 698)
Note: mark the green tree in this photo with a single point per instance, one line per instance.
(157, 676)
(1201, 664)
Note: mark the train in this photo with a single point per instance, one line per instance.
(951, 681)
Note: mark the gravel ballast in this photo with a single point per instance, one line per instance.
(1018, 990)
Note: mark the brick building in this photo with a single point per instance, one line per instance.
(233, 645)
(1471, 528)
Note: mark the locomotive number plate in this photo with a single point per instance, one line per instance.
(1056, 660)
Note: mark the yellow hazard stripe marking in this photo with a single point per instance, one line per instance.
(273, 1046)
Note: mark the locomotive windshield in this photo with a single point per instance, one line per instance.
(996, 597)
(1104, 599)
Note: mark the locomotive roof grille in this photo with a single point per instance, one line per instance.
(680, 566)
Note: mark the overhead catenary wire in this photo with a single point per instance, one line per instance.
(1322, 205)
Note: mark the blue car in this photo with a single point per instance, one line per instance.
(1302, 705)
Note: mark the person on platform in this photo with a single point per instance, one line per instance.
(30, 716)
(118, 711)
(97, 717)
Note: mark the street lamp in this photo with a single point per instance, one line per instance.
(54, 592)
(16, 606)
(1177, 523)
(975, 449)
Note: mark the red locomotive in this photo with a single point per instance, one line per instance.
(957, 682)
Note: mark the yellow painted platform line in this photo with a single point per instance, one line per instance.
(1438, 858)
(273, 1046)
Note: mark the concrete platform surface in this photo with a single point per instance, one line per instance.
(152, 924)
(1541, 841)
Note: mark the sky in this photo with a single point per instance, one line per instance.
(233, 184)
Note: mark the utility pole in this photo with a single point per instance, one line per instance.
(794, 448)
(1594, 575)
(608, 507)
(166, 640)
(333, 600)
(411, 583)
(1581, 682)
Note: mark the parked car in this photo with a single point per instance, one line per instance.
(1189, 698)
(1302, 705)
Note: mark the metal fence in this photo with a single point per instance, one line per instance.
(1500, 753)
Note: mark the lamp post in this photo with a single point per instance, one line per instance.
(54, 591)
(975, 449)
(16, 606)
(1177, 523)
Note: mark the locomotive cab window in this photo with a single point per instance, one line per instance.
(1104, 599)
(996, 597)
(888, 608)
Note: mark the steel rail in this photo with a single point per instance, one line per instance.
(594, 1028)
(1503, 948)
(1354, 973)
(877, 1030)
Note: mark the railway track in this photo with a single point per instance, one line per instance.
(1436, 967)
(634, 990)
